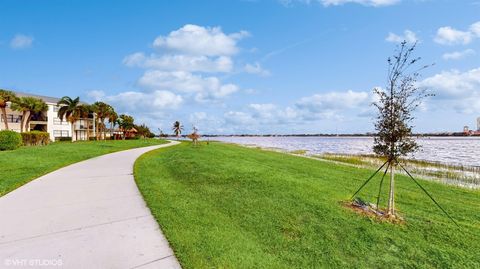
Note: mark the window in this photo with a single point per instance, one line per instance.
(60, 133)
(12, 118)
(55, 108)
(57, 121)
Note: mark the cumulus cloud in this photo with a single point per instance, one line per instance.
(407, 36)
(461, 90)
(333, 101)
(202, 88)
(182, 59)
(20, 41)
(199, 63)
(257, 69)
(448, 35)
(199, 40)
(139, 101)
(328, 106)
(373, 3)
(456, 55)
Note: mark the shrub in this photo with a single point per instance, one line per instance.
(10, 140)
(35, 138)
(65, 138)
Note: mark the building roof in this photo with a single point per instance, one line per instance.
(46, 99)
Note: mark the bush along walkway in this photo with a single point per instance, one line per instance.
(87, 215)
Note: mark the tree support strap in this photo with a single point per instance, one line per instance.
(428, 194)
(365, 183)
(381, 183)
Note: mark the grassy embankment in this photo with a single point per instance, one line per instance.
(20, 166)
(225, 206)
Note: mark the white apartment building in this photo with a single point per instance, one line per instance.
(48, 121)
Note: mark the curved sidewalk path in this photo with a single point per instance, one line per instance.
(86, 215)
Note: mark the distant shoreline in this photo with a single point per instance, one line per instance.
(338, 135)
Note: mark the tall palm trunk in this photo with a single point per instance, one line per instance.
(27, 121)
(22, 121)
(4, 116)
(73, 131)
(88, 129)
(391, 195)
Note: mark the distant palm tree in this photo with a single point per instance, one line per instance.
(177, 128)
(6, 96)
(112, 119)
(36, 106)
(102, 110)
(86, 110)
(71, 110)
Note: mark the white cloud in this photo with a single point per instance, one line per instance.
(456, 55)
(460, 90)
(20, 41)
(257, 69)
(135, 101)
(199, 63)
(328, 106)
(373, 3)
(199, 40)
(333, 101)
(202, 88)
(407, 36)
(448, 35)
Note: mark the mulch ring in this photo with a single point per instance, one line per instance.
(370, 210)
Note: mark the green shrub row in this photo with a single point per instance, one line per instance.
(10, 140)
(63, 139)
(35, 138)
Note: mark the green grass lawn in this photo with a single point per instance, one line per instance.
(20, 166)
(225, 206)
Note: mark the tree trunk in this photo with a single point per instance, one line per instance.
(391, 195)
(22, 121)
(4, 116)
(27, 122)
(88, 129)
(73, 132)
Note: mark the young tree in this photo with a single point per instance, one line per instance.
(396, 105)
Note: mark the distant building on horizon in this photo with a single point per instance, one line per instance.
(478, 124)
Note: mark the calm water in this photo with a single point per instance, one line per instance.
(449, 150)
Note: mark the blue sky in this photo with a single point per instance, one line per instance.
(248, 66)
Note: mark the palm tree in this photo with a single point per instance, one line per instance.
(37, 106)
(177, 128)
(102, 110)
(112, 119)
(125, 122)
(86, 110)
(71, 110)
(5, 97)
(24, 105)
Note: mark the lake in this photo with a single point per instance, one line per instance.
(447, 150)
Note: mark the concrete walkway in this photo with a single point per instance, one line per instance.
(87, 215)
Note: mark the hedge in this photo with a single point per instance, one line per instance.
(10, 140)
(35, 138)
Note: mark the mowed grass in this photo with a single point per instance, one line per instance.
(225, 206)
(20, 166)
